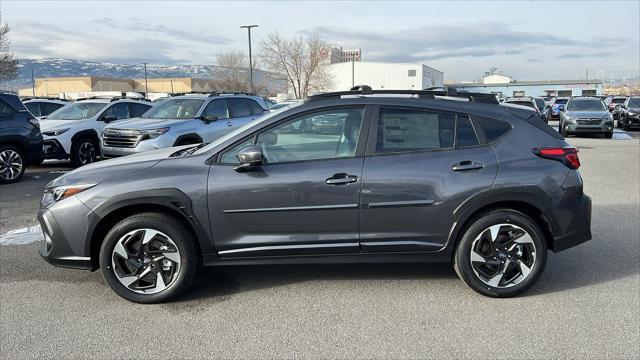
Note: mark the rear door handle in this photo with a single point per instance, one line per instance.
(467, 165)
(341, 179)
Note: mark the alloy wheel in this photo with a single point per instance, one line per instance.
(146, 261)
(86, 153)
(10, 164)
(503, 255)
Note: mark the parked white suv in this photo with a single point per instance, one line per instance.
(72, 132)
(182, 120)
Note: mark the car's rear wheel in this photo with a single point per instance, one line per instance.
(84, 151)
(12, 164)
(501, 254)
(148, 258)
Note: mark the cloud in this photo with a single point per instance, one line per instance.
(534, 60)
(177, 33)
(432, 42)
(584, 55)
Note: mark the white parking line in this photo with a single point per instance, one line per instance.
(22, 236)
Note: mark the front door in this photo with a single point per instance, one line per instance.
(303, 200)
(420, 166)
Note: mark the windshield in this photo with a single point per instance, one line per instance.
(522, 102)
(586, 105)
(244, 127)
(618, 101)
(77, 111)
(635, 102)
(177, 108)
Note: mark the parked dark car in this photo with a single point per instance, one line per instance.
(20, 139)
(630, 114)
(412, 177)
(537, 104)
(557, 106)
(585, 115)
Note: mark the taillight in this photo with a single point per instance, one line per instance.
(34, 122)
(566, 155)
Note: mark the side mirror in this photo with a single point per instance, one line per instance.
(109, 118)
(249, 157)
(209, 118)
(562, 109)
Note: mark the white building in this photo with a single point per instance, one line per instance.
(379, 75)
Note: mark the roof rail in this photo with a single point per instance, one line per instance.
(430, 93)
(25, 98)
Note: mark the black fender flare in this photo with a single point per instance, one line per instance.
(194, 137)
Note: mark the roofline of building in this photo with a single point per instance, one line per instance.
(537, 82)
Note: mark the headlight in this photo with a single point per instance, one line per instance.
(52, 195)
(153, 133)
(569, 118)
(632, 113)
(55, 132)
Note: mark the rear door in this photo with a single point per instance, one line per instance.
(212, 130)
(420, 166)
(303, 200)
(240, 111)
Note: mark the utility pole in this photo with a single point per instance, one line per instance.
(146, 91)
(353, 72)
(33, 84)
(248, 27)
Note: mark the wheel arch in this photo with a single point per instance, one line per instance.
(109, 214)
(88, 133)
(193, 137)
(531, 209)
(15, 142)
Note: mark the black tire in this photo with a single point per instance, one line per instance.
(176, 231)
(462, 257)
(608, 135)
(563, 132)
(80, 155)
(12, 174)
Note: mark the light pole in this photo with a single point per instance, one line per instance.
(146, 91)
(248, 27)
(33, 84)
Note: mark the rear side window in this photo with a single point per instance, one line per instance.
(465, 135)
(493, 129)
(238, 107)
(138, 109)
(217, 108)
(255, 108)
(5, 109)
(402, 130)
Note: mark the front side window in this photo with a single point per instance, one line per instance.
(137, 110)
(34, 108)
(414, 130)
(118, 111)
(77, 111)
(323, 135)
(176, 108)
(217, 108)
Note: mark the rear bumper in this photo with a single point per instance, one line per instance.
(579, 230)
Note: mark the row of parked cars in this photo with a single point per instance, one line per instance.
(83, 130)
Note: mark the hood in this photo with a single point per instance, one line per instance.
(599, 114)
(145, 124)
(107, 169)
(634, 109)
(52, 124)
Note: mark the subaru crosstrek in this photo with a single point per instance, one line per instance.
(413, 176)
(182, 120)
(72, 132)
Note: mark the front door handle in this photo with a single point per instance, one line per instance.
(341, 179)
(229, 123)
(467, 165)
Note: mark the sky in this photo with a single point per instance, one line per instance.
(529, 40)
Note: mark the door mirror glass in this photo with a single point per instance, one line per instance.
(249, 157)
(109, 118)
(209, 117)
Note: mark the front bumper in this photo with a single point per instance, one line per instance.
(64, 243)
(579, 230)
(575, 127)
(54, 150)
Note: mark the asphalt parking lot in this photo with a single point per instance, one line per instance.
(343, 311)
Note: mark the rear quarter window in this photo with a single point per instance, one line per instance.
(5, 109)
(493, 129)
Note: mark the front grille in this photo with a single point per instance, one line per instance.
(121, 138)
(588, 121)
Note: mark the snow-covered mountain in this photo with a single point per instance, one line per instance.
(50, 67)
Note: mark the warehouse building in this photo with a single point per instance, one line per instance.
(381, 75)
(504, 86)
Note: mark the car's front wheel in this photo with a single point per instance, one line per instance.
(148, 258)
(12, 164)
(501, 254)
(84, 151)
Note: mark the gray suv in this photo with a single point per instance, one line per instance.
(182, 120)
(399, 176)
(585, 115)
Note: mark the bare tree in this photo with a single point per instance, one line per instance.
(302, 59)
(8, 62)
(234, 72)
